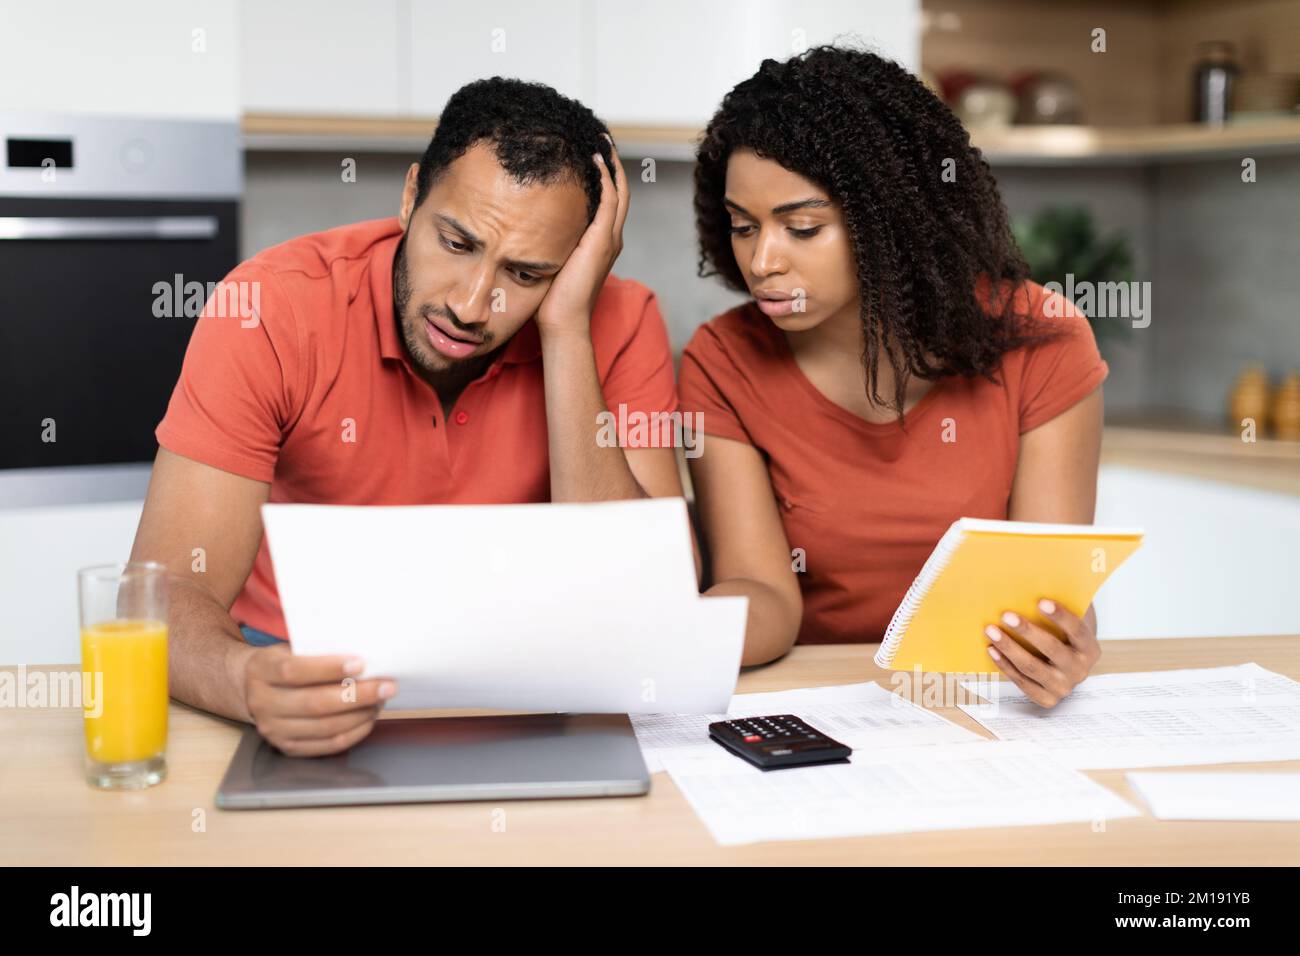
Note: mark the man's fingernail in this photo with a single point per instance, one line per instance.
(994, 633)
(353, 665)
(1046, 606)
(386, 690)
(1013, 620)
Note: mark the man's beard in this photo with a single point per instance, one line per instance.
(434, 368)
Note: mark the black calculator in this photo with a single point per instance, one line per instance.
(782, 741)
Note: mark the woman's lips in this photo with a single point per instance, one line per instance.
(775, 307)
(445, 344)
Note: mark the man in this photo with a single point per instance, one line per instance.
(459, 353)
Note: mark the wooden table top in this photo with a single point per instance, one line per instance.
(48, 815)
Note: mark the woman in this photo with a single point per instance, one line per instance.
(894, 371)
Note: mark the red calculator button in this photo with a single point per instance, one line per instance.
(753, 738)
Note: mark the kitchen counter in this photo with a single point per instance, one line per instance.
(1196, 451)
(49, 816)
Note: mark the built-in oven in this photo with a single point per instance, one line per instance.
(110, 230)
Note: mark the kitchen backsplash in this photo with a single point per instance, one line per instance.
(1222, 256)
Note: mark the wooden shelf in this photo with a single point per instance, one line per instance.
(1135, 145)
(274, 132)
(1016, 145)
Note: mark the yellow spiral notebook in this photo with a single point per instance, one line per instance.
(981, 568)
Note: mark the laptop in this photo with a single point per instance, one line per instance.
(434, 759)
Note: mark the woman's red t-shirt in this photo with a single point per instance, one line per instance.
(867, 502)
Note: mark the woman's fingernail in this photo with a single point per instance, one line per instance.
(1013, 620)
(994, 633)
(1046, 606)
(386, 690)
(993, 653)
(353, 665)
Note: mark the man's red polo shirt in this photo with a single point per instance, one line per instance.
(316, 395)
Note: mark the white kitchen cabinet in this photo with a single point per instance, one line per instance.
(1218, 559)
(324, 57)
(670, 62)
(41, 550)
(156, 58)
(635, 62)
(452, 44)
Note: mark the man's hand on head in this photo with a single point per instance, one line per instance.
(569, 301)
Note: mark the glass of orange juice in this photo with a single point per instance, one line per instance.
(124, 661)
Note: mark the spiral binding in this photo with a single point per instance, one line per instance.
(917, 590)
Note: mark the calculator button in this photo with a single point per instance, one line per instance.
(752, 738)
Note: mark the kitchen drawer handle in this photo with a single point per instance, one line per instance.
(108, 227)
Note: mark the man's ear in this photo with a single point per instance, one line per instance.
(409, 190)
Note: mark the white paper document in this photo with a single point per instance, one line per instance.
(860, 715)
(1219, 796)
(1238, 714)
(587, 608)
(896, 790)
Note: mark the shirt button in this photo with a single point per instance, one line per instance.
(462, 418)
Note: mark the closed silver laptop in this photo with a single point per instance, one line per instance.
(416, 760)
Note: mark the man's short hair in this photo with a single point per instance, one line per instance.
(538, 136)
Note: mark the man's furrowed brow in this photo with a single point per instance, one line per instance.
(464, 232)
(520, 265)
(523, 266)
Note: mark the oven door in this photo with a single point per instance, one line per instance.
(86, 367)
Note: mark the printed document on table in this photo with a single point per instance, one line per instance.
(1239, 714)
(589, 608)
(1219, 795)
(860, 715)
(895, 790)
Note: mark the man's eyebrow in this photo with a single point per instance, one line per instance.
(476, 242)
(783, 208)
(465, 233)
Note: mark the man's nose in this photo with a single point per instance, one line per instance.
(471, 298)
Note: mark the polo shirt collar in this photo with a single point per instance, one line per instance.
(381, 297)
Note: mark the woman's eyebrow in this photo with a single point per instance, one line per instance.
(800, 204)
(781, 209)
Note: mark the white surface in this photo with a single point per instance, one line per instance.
(1219, 796)
(667, 62)
(671, 62)
(454, 43)
(944, 787)
(1218, 560)
(135, 59)
(863, 716)
(1239, 714)
(40, 552)
(566, 607)
(335, 57)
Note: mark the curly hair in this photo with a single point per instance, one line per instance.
(878, 141)
(538, 135)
